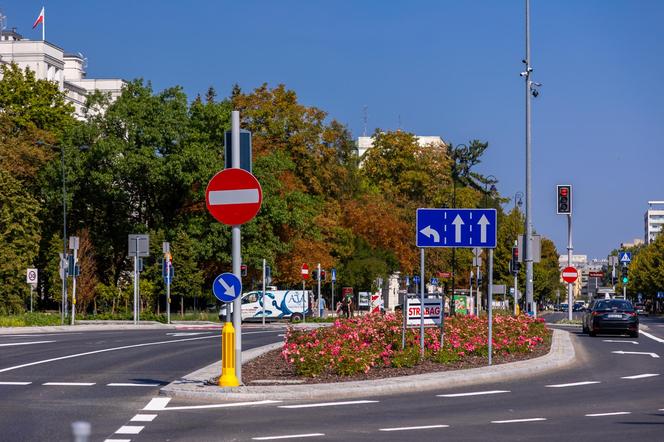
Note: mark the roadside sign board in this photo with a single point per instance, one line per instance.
(304, 271)
(433, 312)
(363, 299)
(444, 274)
(139, 245)
(433, 281)
(245, 150)
(537, 248)
(456, 228)
(625, 257)
(168, 275)
(416, 279)
(334, 275)
(570, 274)
(226, 287)
(233, 196)
(596, 274)
(32, 276)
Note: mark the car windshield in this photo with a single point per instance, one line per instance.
(614, 304)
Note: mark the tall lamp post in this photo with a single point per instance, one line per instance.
(489, 179)
(518, 199)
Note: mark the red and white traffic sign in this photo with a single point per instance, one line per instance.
(570, 274)
(233, 196)
(305, 271)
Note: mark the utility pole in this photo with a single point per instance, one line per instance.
(528, 255)
(237, 251)
(570, 294)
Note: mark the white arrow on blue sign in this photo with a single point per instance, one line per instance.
(625, 257)
(434, 281)
(334, 275)
(416, 279)
(226, 287)
(456, 228)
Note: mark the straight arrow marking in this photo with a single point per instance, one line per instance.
(483, 222)
(458, 222)
(621, 352)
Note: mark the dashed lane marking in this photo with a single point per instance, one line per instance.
(13, 344)
(327, 404)
(515, 421)
(573, 384)
(130, 384)
(227, 405)
(156, 404)
(129, 429)
(473, 393)
(70, 384)
(288, 436)
(640, 376)
(653, 337)
(15, 383)
(614, 413)
(143, 418)
(117, 440)
(616, 341)
(423, 427)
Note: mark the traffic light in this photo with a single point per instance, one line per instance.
(243, 269)
(322, 275)
(314, 275)
(564, 199)
(625, 277)
(514, 263)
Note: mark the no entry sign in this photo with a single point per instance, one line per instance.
(305, 271)
(570, 274)
(233, 196)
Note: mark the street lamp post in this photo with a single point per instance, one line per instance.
(64, 237)
(518, 199)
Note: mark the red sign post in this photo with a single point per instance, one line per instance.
(570, 274)
(305, 271)
(233, 196)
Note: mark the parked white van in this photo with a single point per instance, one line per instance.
(279, 304)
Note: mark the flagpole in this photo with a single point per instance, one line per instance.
(44, 25)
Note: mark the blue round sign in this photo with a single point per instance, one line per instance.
(226, 287)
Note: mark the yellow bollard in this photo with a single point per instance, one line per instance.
(228, 378)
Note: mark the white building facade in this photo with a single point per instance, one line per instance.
(654, 220)
(49, 62)
(366, 143)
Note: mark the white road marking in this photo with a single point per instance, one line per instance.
(327, 404)
(70, 384)
(32, 335)
(156, 404)
(129, 429)
(573, 384)
(424, 427)
(15, 383)
(473, 393)
(143, 418)
(105, 350)
(188, 333)
(621, 352)
(640, 376)
(128, 384)
(12, 344)
(619, 341)
(228, 405)
(117, 440)
(653, 337)
(289, 436)
(615, 413)
(512, 421)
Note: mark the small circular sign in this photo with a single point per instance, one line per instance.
(233, 196)
(570, 274)
(305, 271)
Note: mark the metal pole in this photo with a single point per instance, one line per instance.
(237, 251)
(318, 303)
(63, 301)
(136, 285)
(516, 294)
(422, 302)
(470, 286)
(332, 306)
(528, 258)
(73, 289)
(304, 310)
(490, 303)
(32, 288)
(570, 295)
(263, 295)
(478, 294)
(168, 296)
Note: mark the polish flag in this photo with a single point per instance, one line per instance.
(40, 19)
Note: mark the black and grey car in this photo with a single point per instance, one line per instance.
(611, 316)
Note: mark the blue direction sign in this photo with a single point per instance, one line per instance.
(171, 273)
(226, 287)
(434, 281)
(334, 275)
(407, 281)
(416, 279)
(456, 228)
(625, 257)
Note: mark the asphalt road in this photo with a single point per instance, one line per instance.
(604, 396)
(49, 380)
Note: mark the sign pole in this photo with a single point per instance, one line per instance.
(569, 264)
(168, 297)
(73, 289)
(304, 311)
(332, 308)
(516, 294)
(136, 286)
(490, 303)
(422, 302)
(318, 303)
(263, 295)
(32, 288)
(236, 252)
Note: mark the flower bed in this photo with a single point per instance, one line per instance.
(362, 344)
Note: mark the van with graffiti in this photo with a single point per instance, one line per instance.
(279, 304)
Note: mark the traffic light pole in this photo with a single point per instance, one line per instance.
(569, 264)
(237, 251)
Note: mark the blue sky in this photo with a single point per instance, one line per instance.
(448, 68)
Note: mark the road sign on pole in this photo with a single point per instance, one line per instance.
(226, 287)
(304, 271)
(233, 196)
(456, 228)
(32, 276)
(625, 257)
(570, 274)
(245, 150)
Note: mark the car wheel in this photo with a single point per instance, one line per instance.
(296, 317)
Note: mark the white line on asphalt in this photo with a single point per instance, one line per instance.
(573, 384)
(289, 436)
(424, 427)
(15, 383)
(621, 352)
(228, 405)
(156, 404)
(129, 429)
(124, 347)
(653, 337)
(33, 335)
(12, 344)
(513, 421)
(640, 376)
(143, 418)
(620, 342)
(473, 393)
(128, 384)
(117, 440)
(327, 404)
(70, 384)
(615, 413)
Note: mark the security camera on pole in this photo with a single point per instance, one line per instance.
(564, 193)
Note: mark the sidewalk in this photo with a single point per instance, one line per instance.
(195, 385)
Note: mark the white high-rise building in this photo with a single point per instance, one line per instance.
(654, 220)
(365, 143)
(49, 62)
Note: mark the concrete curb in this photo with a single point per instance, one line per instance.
(87, 327)
(193, 386)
